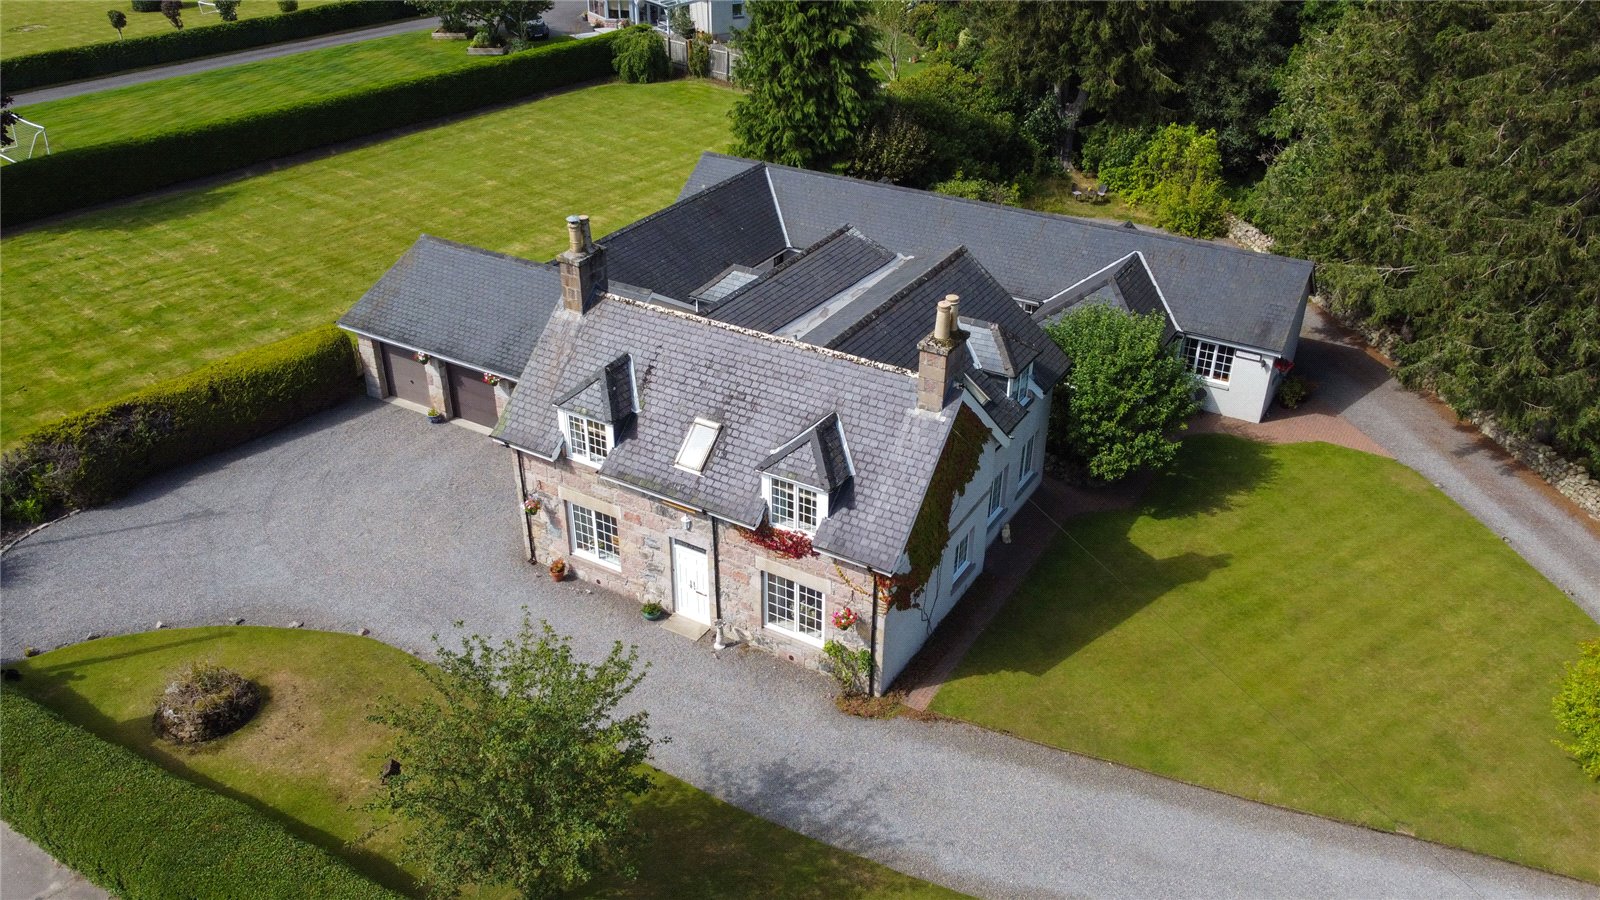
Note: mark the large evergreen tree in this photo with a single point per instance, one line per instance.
(1454, 198)
(807, 73)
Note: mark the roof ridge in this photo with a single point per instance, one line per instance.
(761, 335)
(784, 266)
(945, 262)
(435, 239)
(696, 196)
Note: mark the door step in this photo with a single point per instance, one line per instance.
(689, 628)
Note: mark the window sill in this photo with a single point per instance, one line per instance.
(996, 516)
(794, 635)
(1026, 479)
(961, 575)
(615, 566)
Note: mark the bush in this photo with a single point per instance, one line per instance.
(67, 181)
(1178, 172)
(1108, 153)
(140, 832)
(205, 702)
(699, 64)
(35, 70)
(228, 10)
(288, 6)
(850, 668)
(641, 56)
(102, 453)
(967, 128)
(981, 189)
(1577, 708)
(1293, 391)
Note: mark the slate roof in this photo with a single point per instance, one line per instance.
(460, 303)
(681, 248)
(816, 457)
(605, 395)
(795, 287)
(763, 390)
(1233, 295)
(1125, 285)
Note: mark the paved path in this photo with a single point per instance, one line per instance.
(368, 516)
(28, 873)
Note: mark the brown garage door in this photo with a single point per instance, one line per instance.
(408, 379)
(473, 399)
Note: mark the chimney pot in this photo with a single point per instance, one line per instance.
(944, 322)
(575, 240)
(934, 368)
(588, 239)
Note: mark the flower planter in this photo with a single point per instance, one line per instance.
(436, 418)
(656, 616)
(486, 51)
(449, 35)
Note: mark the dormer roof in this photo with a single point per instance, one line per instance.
(816, 457)
(605, 395)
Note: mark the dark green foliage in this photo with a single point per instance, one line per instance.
(1293, 390)
(981, 189)
(1178, 174)
(681, 21)
(118, 19)
(66, 181)
(641, 56)
(100, 454)
(517, 770)
(1109, 150)
(35, 70)
(140, 832)
(699, 57)
(288, 6)
(807, 73)
(1577, 708)
(1453, 200)
(1229, 64)
(1125, 394)
(228, 10)
(173, 10)
(146, 5)
(930, 533)
(969, 128)
(937, 25)
(896, 148)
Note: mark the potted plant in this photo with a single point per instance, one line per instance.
(532, 505)
(558, 569)
(435, 416)
(491, 379)
(845, 618)
(421, 357)
(653, 612)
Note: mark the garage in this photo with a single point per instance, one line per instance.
(408, 379)
(471, 398)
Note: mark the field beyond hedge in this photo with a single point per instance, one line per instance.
(108, 301)
(31, 26)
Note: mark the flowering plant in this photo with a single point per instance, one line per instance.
(420, 357)
(1283, 365)
(490, 378)
(845, 618)
(533, 505)
(790, 544)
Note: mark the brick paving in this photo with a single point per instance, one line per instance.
(1292, 426)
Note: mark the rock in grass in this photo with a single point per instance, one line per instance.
(204, 702)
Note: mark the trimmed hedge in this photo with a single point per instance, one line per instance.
(139, 831)
(100, 454)
(48, 185)
(36, 70)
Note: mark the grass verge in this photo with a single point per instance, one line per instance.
(310, 760)
(105, 302)
(1311, 627)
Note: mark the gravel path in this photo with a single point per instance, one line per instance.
(1548, 530)
(368, 516)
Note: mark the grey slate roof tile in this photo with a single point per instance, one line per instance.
(790, 290)
(816, 457)
(1126, 285)
(606, 396)
(460, 303)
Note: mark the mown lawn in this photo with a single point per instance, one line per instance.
(30, 26)
(1311, 627)
(1054, 195)
(310, 759)
(104, 302)
(193, 101)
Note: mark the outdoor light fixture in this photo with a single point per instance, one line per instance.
(687, 522)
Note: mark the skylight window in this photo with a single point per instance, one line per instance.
(697, 445)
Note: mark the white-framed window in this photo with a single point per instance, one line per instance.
(792, 608)
(594, 535)
(697, 444)
(794, 506)
(1025, 471)
(738, 10)
(1208, 360)
(997, 495)
(1021, 387)
(962, 560)
(588, 441)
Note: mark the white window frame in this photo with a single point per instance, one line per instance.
(1021, 387)
(698, 428)
(792, 627)
(597, 552)
(771, 486)
(1025, 467)
(1208, 358)
(582, 455)
(961, 559)
(997, 496)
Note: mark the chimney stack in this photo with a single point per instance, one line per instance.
(583, 267)
(934, 369)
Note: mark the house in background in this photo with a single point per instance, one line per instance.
(799, 404)
(719, 18)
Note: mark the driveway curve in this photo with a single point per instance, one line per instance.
(367, 516)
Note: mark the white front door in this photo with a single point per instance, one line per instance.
(691, 592)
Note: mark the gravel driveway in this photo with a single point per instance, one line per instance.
(368, 516)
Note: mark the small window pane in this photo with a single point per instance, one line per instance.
(595, 534)
(793, 607)
(782, 503)
(697, 445)
(997, 494)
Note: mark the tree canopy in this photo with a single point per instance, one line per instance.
(807, 73)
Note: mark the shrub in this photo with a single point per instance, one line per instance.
(1178, 172)
(1577, 708)
(288, 6)
(699, 56)
(35, 70)
(969, 127)
(99, 454)
(641, 56)
(981, 189)
(483, 38)
(67, 181)
(1109, 151)
(205, 702)
(850, 668)
(228, 10)
(1293, 391)
(140, 832)
(118, 20)
(173, 10)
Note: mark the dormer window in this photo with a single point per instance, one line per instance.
(1021, 387)
(795, 506)
(588, 441)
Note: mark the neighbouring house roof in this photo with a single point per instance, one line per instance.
(856, 420)
(827, 268)
(460, 303)
(1247, 298)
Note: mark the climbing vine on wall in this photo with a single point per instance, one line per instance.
(930, 533)
(790, 544)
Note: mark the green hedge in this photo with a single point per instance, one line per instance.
(139, 831)
(100, 454)
(36, 70)
(72, 180)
